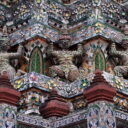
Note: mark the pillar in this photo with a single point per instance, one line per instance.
(125, 39)
(99, 97)
(8, 103)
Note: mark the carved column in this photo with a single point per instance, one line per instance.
(8, 103)
(125, 39)
(100, 103)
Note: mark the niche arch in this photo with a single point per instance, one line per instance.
(99, 60)
(37, 62)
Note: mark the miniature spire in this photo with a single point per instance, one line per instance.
(100, 89)
(66, 1)
(5, 82)
(8, 102)
(55, 106)
(7, 93)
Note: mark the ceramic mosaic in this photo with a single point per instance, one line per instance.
(46, 83)
(119, 83)
(38, 121)
(91, 27)
(30, 102)
(101, 115)
(8, 116)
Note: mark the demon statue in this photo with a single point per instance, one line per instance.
(5, 57)
(121, 70)
(66, 69)
(5, 67)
